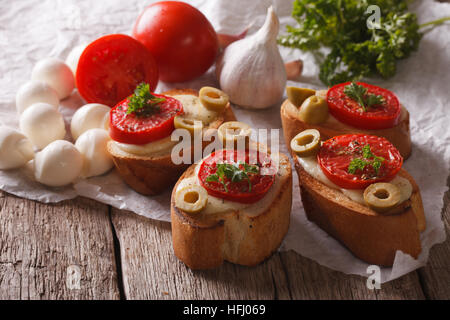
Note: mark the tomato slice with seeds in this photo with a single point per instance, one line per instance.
(111, 67)
(240, 191)
(134, 129)
(347, 110)
(337, 153)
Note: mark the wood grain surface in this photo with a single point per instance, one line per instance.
(123, 255)
(43, 246)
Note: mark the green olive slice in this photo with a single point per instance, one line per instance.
(181, 122)
(314, 110)
(192, 198)
(382, 196)
(233, 132)
(213, 99)
(297, 95)
(306, 143)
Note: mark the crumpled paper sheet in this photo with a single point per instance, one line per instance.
(32, 30)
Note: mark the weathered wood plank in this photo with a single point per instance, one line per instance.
(309, 280)
(151, 270)
(40, 244)
(435, 275)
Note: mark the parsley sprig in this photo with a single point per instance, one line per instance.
(143, 103)
(360, 94)
(235, 172)
(367, 159)
(355, 51)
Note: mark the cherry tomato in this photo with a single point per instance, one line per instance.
(347, 110)
(240, 191)
(337, 153)
(180, 38)
(133, 129)
(111, 67)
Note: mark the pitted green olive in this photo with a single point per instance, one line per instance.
(322, 94)
(213, 99)
(306, 143)
(192, 198)
(233, 132)
(180, 122)
(314, 110)
(382, 196)
(297, 95)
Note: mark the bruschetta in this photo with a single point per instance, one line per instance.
(230, 208)
(353, 187)
(347, 108)
(141, 126)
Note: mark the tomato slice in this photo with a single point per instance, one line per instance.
(337, 153)
(111, 67)
(350, 112)
(133, 129)
(240, 191)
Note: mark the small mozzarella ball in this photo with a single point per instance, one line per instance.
(58, 164)
(42, 124)
(15, 149)
(93, 146)
(74, 56)
(89, 116)
(33, 92)
(56, 74)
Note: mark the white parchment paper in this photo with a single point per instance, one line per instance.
(34, 29)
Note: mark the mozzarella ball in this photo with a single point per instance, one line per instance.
(33, 92)
(89, 116)
(74, 56)
(93, 146)
(15, 149)
(58, 164)
(56, 74)
(42, 124)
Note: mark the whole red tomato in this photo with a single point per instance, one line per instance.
(180, 38)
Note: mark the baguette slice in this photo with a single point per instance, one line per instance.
(153, 175)
(399, 135)
(204, 241)
(370, 236)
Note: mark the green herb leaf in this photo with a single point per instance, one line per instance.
(367, 159)
(354, 50)
(143, 103)
(234, 173)
(359, 94)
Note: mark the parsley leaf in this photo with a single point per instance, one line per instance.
(359, 94)
(368, 159)
(234, 173)
(143, 103)
(354, 50)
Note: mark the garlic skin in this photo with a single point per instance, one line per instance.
(251, 71)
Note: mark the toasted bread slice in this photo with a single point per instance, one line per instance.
(370, 236)
(153, 175)
(204, 241)
(399, 135)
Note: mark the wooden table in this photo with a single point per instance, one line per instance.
(121, 255)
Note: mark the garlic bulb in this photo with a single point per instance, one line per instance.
(251, 71)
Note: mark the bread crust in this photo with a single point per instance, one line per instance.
(205, 241)
(153, 175)
(370, 236)
(399, 135)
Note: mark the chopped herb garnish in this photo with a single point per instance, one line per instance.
(143, 103)
(359, 94)
(235, 172)
(368, 159)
